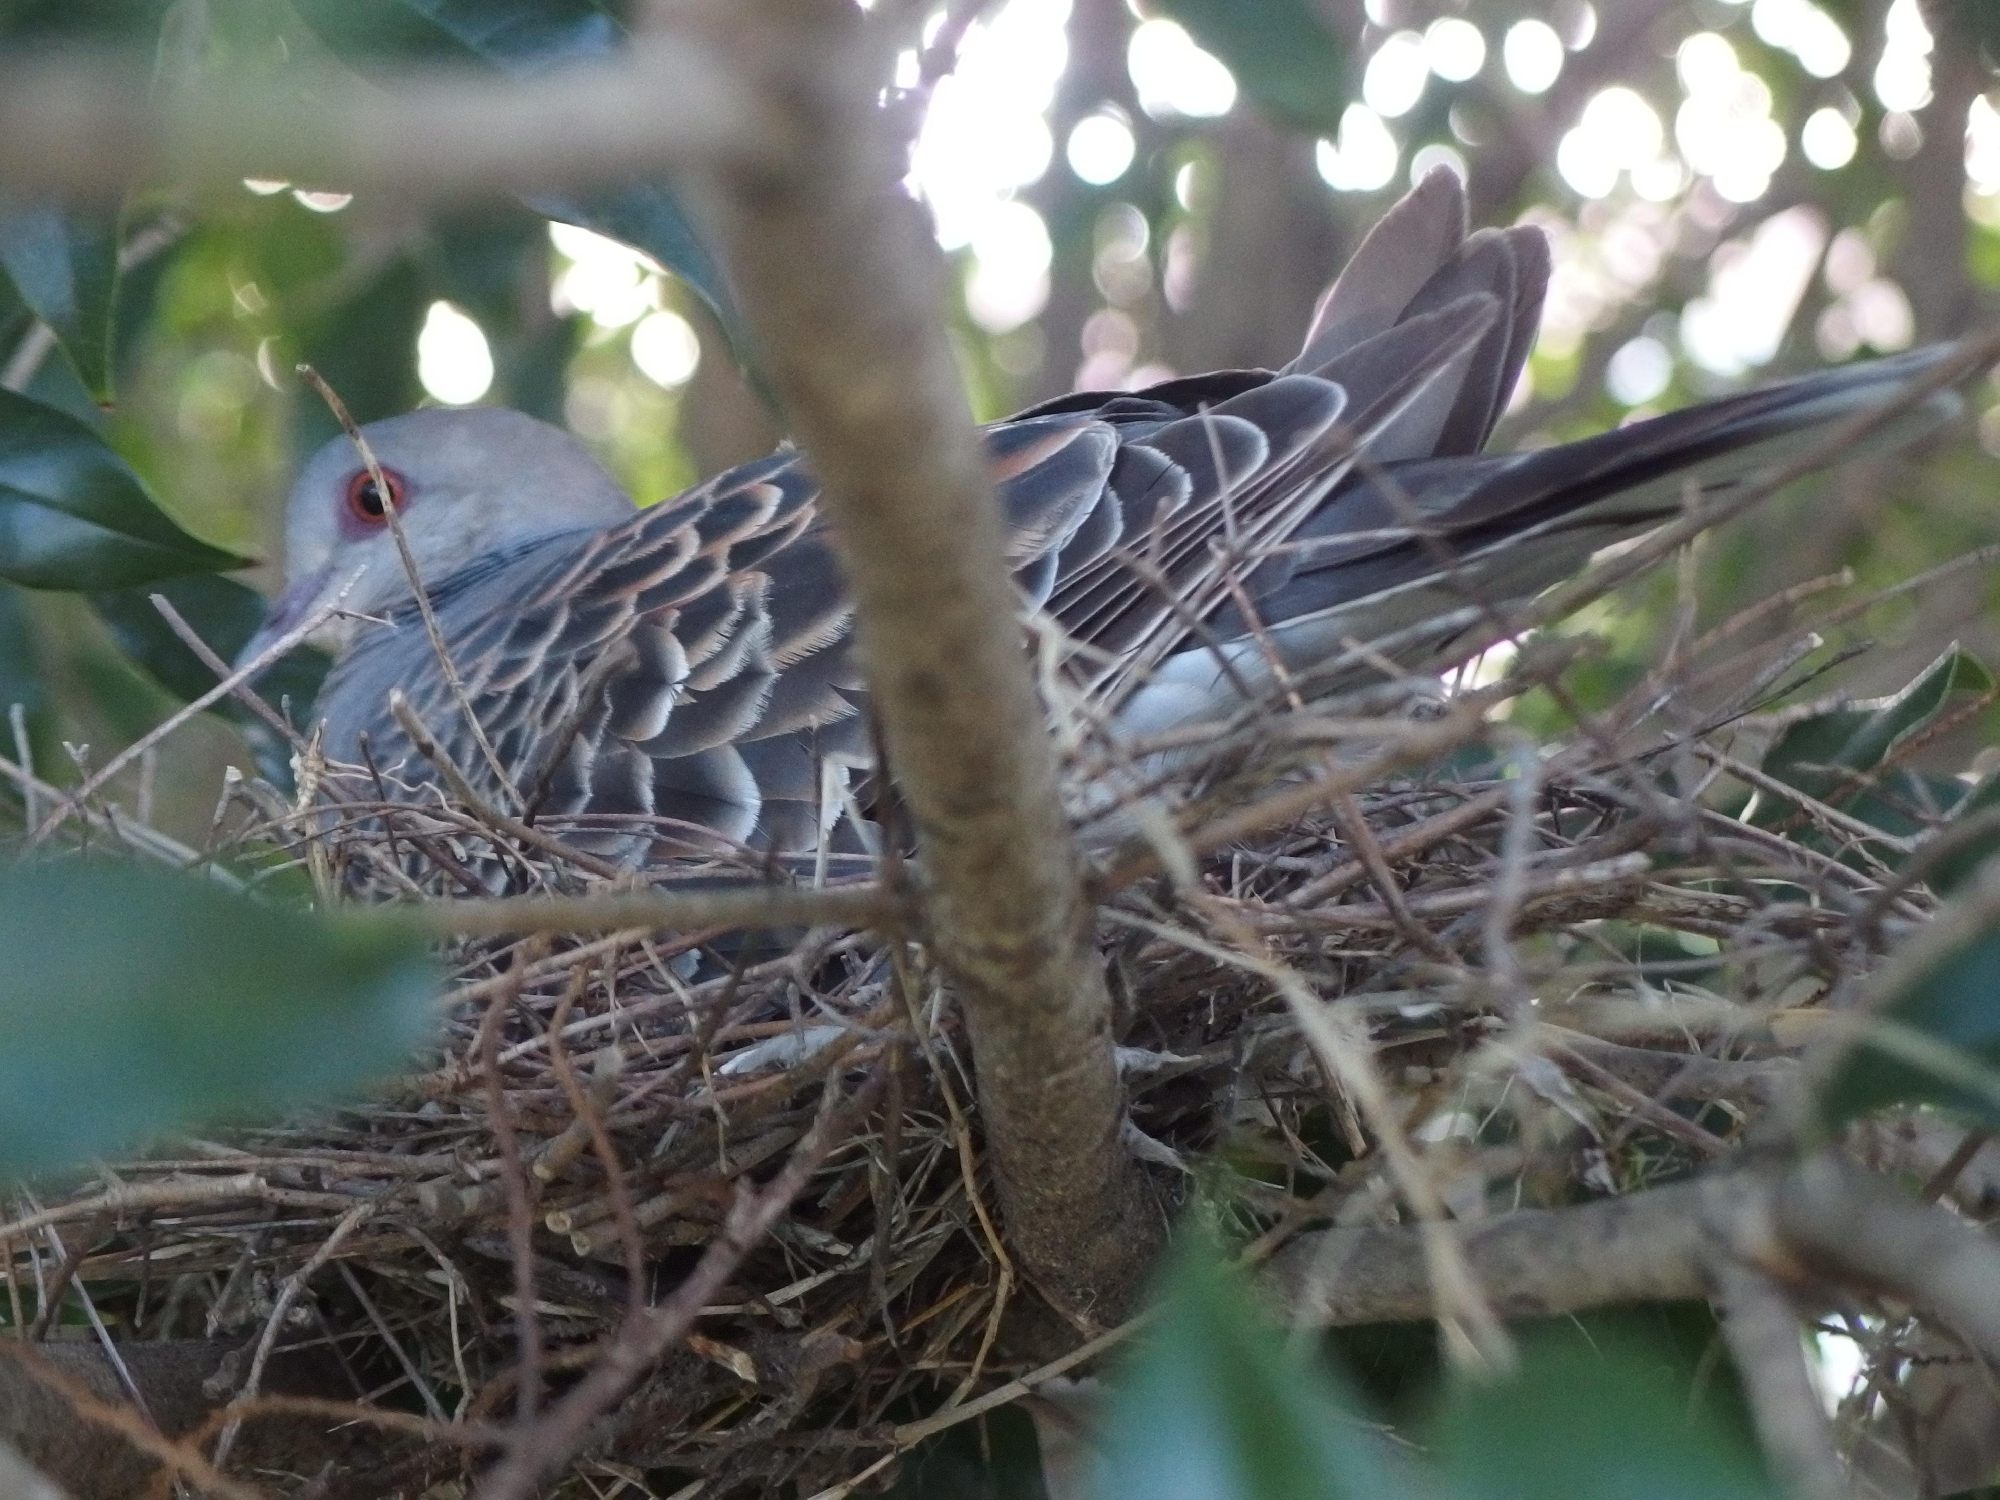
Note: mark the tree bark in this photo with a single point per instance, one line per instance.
(845, 291)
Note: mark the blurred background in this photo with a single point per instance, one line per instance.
(1734, 192)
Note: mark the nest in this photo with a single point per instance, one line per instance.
(1576, 972)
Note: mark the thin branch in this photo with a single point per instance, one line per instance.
(729, 907)
(535, 1448)
(81, 126)
(245, 693)
(75, 801)
(1825, 1220)
(419, 590)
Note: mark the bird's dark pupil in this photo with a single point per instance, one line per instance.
(371, 499)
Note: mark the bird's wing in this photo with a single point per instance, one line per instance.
(1420, 540)
(695, 664)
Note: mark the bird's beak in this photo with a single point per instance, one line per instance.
(295, 605)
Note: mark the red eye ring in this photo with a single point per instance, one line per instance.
(365, 501)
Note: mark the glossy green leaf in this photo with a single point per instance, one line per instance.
(524, 37)
(1590, 1420)
(1214, 1408)
(1812, 753)
(64, 265)
(74, 516)
(1830, 755)
(1281, 51)
(1937, 1039)
(1954, 869)
(168, 1001)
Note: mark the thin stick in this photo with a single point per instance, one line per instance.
(391, 514)
(74, 801)
(537, 1447)
(245, 694)
(732, 907)
(295, 1283)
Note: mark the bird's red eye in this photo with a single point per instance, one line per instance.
(365, 500)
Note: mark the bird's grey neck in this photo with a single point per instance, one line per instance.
(471, 574)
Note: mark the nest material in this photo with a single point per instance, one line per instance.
(1580, 974)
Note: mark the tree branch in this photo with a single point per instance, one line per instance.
(1825, 1220)
(732, 906)
(88, 126)
(1764, 1343)
(844, 287)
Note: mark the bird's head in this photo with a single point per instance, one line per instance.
(466, 483)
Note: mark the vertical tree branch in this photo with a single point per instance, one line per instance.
(1764, 1342)
(844, 288)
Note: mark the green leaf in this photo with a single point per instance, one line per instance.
(1214, 1408)
(1280, 51)
(64, 265)
(1827, 756)
(522, 38)
(1956, 868)
(169, 1001)
(74, 516)
(1937, 1038)
(1598, 1420)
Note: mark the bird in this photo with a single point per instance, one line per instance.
(686, 672)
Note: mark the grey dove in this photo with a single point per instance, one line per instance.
(688, 670)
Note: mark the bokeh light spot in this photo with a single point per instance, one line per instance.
(1100, 148)
(1173, 76)
(1395, 77)
(1532, 54)
(1364, 157)
(454, 362)
(1640, 370)
(1454, 48)
(665, 349)
(1827, 140)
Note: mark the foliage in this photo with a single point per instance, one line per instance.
(1282, 51)
(521, 37)
(73, 515)
(1936, 1036)
(1214, 1406)
(170, 1002)
(65, 268)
